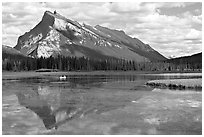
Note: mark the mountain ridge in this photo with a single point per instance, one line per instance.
(55, 34)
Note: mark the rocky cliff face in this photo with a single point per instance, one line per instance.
(56, 34)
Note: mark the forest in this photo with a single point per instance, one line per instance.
(61, 63)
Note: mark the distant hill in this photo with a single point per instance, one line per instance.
(9, 52)
(193, 59)
(56, 35)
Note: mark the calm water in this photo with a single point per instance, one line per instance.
(99, 104)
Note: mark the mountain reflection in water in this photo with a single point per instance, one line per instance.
(98, 104)
(58, 102)
(53, 113)
(32, 101)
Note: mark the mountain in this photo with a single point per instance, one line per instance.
(55, 34)
(193, 59)
(11, 52)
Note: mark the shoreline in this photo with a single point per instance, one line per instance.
(180, 84)
(7, 75)
(25, 74)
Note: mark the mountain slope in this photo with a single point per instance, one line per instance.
(56, 34)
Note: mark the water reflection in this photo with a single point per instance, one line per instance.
(32, 101)
(51, 109)
(96, 80)
(85, 79)
(57, 102)
(56, 105)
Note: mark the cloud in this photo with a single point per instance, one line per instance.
(193, 35)
(165, 33)
(125, 7)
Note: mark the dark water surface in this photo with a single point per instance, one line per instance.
(99, 104)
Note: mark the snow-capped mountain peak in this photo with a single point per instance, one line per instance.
(56, 34)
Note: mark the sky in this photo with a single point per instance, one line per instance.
(173, 29)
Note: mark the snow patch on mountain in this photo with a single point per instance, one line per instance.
(44, 51)
(60, 24)
(118, 46)
(31, 49)
(32, 39)
(63, 25)
(109, 43)
(50, 44)
(69, 42)
(90, 32)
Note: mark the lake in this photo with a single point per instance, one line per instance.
(99, 104)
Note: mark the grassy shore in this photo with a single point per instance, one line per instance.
(180, 84)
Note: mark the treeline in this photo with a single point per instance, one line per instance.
(20, 63)
(192, 60)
